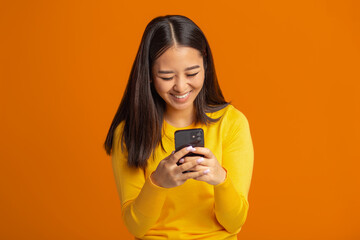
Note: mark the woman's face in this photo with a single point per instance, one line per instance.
(178, 76)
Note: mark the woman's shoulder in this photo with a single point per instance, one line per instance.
(235, 114)
(229, 113)
(118, 134)
(118, 130)
(117, 145)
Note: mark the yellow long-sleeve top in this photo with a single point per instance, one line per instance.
(196, 209)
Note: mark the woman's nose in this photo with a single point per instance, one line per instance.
(180, 84)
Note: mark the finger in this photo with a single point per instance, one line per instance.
(179, 154)
(187, 165)
(194, 175)
(199, 160)
(197, 168)
(203, 151)
(190, 159)
(204, 176)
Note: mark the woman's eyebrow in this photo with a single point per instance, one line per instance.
(186, 69)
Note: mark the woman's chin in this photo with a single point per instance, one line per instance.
(180, 107)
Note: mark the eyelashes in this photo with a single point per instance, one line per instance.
(190, 75)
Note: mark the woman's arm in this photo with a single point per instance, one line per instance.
(141, 200)
(231, 196)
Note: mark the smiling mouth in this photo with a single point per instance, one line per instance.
(181, 96)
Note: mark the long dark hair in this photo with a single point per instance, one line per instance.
(141, 108)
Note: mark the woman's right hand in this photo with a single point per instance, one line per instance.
(168, 174)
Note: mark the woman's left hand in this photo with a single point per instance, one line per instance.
(214, 172)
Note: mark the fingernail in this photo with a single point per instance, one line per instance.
(181, 160)
(207, 171)
(172, 152)
(190, 148)
(200, 160)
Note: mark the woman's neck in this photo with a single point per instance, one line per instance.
(180, 118)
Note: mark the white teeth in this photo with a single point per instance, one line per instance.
(182, 96)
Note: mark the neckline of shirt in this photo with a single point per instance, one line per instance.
(169, 129)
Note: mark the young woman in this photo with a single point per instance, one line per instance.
(173, 86)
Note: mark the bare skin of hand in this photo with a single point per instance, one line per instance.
(214, 172)
(168, 174)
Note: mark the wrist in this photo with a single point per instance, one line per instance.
(223, 176)
(153, 179)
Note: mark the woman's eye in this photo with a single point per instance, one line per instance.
(167, 78)
(192, 75)
(189, 75)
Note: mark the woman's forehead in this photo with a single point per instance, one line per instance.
(179, 57)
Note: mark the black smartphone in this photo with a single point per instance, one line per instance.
(189, 137)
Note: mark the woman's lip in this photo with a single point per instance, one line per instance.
(181, 100)
(181, 94)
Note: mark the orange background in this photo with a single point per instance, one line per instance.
(292, 67)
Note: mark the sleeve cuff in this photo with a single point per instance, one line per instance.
(225, 181)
